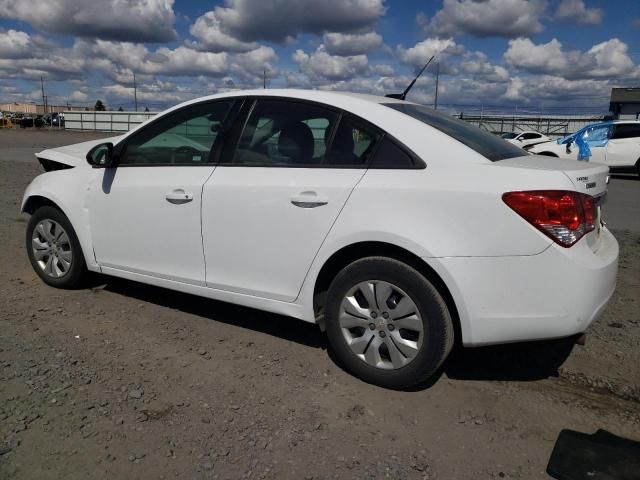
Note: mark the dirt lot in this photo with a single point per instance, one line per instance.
(122, 380)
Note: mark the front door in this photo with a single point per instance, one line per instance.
(270, 204)
(623, 149)
(145, 213)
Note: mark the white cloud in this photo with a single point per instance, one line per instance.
(422, 51)
(250, 66)
(477, 64)
(321, 65)
(78, 96)
(577, 11)
(487, 18)
(382, 69)
(207, 29)
(14, 44)
(604, 60)
(246, 21)
(132, 20)
(556, 90)
(346, 44)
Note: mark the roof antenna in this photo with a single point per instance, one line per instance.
(403, 95)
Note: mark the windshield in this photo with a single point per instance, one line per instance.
(508, 136)
(489, 146)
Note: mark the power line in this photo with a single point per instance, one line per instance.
(135, 91)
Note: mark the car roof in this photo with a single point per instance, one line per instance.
(611, 122)
(321, 96)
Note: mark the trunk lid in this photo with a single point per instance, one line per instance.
(588, 178)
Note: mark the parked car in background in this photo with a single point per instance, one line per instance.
(398, 229)
(29, 121)
(57, 120)
(525, 139)
(614, 143)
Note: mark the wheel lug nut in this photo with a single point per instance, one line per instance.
(374, 314)
(372, 326)
(391, 327)
(382, 334)
(385, 315)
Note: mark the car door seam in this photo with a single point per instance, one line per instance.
(327, 234)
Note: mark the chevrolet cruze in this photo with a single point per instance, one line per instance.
(397, 229)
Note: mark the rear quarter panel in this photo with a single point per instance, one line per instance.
(438, 212)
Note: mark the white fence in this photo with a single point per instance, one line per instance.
(104, 121)
(552, 125)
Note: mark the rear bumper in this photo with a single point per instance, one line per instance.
(554, 294)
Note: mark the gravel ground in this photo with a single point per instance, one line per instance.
(122, 380)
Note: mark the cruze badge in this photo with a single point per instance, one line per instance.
(586, 182)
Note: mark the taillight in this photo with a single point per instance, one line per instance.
(563, 216)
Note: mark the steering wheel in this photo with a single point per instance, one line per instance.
(179, 154)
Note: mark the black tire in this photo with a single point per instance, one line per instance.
(436, 321)
(548, 154)
(75, 275)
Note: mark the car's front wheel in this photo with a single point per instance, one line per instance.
(386, 323)
(53, 248)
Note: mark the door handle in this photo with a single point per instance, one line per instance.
(308, 199)
(178, 196)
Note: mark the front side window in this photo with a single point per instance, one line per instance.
(283, 133)
(188, 137)
(597, 135)
(489, 146)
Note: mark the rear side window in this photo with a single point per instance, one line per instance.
(626, 130)
(530, 136)
(390, 155)
(489, 146)
(351, 145)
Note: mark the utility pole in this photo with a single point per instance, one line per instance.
(435, 100)
(264, 78)
(135, 91)
(44, 103)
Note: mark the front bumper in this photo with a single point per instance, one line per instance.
(554, 294)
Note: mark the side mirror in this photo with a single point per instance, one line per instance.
(101, 156)
(568, 144)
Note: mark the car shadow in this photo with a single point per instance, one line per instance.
(626, 176)
(528, 361)
(280, 326)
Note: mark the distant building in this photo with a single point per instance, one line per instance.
(625, 103)
(36, 109)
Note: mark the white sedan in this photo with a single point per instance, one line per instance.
(397, 229)
(525, 139)
(613, 143)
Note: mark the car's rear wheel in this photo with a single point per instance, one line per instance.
(386, 323)
(548, 154)
(53, 248)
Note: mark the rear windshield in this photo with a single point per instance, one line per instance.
(486, 144)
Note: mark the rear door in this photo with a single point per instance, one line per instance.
(272, 200)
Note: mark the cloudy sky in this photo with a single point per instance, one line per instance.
(527, 55)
